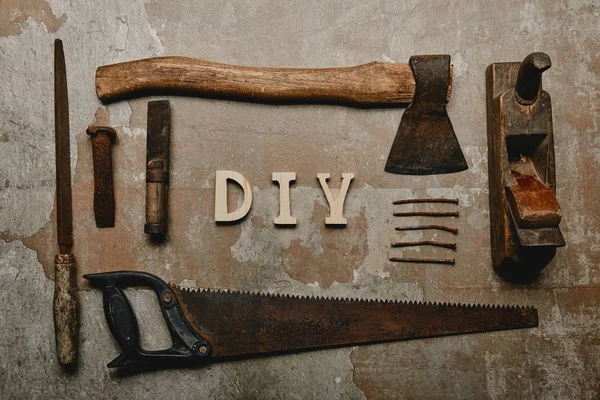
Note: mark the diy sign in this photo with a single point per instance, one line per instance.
(336, 204)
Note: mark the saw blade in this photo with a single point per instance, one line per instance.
(242, 323)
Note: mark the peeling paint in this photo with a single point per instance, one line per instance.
(13, 13)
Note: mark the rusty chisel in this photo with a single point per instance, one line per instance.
(65, 292)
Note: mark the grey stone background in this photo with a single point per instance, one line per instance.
(560, 359)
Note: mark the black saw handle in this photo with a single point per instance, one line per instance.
(121, 319)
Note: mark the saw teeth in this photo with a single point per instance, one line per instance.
(468, 306)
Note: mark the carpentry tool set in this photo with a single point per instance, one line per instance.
(218, 325)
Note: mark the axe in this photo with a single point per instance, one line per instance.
(425, 143)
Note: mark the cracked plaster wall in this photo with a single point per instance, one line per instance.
(557, 360)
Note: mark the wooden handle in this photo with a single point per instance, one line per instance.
(65, 309)
(156, 208)
(372, 83)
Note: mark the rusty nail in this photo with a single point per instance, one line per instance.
(408, 201)
(203, 349)
(417, 227)
(104, 196)
(449, 261)
(427, 214)
(425, 243)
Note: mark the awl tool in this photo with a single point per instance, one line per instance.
(65, 293)
(214, 325)
(425, 142)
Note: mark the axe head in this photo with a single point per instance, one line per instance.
(425, 143)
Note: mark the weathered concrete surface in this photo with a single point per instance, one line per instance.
(560, 359)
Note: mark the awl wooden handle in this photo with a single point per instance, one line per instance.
(372, 83)
(65, 309)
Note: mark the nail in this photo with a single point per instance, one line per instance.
(427, 214)
(425, 243)
(417, 227)
(408, 201)
(449, 261)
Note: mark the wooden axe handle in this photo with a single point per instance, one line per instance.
(372, 83)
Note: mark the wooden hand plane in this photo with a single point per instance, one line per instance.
(524, 211)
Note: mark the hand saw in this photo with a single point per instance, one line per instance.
(214, 325)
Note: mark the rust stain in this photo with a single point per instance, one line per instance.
(344, 250)
(14, 12)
